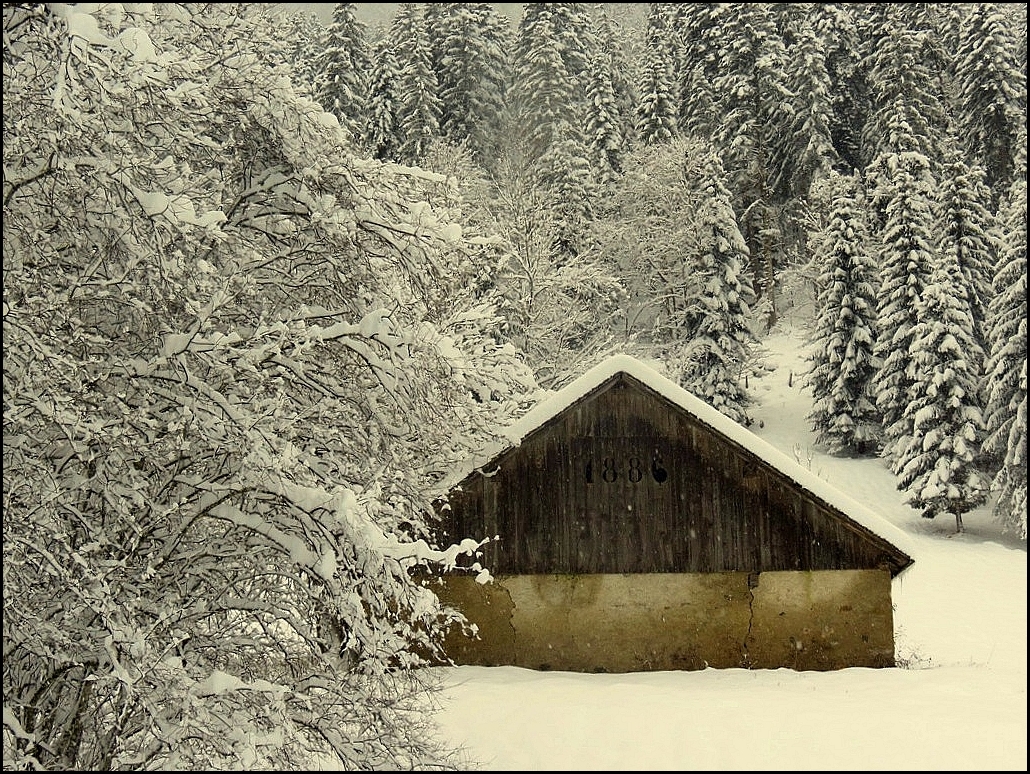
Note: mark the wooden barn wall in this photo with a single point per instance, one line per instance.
(626, 482)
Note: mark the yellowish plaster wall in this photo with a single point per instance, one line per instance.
(828, 619)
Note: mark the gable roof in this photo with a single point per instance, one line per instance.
(599, 377)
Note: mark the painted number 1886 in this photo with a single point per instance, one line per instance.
(632, 469)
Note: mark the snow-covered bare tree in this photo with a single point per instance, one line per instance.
(563, 309)
(646, 228)
(228, 383)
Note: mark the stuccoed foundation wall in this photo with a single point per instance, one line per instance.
(824, 619)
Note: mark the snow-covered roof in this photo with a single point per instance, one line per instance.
(558, 401)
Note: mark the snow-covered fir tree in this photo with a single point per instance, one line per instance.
(842, 365)
(545, 91)
(343, 68)
(808, 153)
(554, 111)
(904, 86)
(968, 232)
(564, 171)
(418, 119)
(616, 43)
(472, 73)
(754, 104)
(718, 350)
(754, 134)
(1006, 410)
(408, 22)
(605, 137)
(695, 56)
(992, 92)
(841, 44)
(301, 36)
(657, 107)
(572, 29)
(937, 461)
(436, 26)
(907, 257)
(382, 136)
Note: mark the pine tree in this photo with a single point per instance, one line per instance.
(565, 173)
(755, 118)
(302, 38)
(907, 257)
(904, 85)
(610, 42)
(992, 87)
(696, 57)
(754, 103)
(838, 31)
(384, 103)
(419, 114)
(967, 233)
(807, 151)
(604, 135)
(1006, 410)
(842, 366)
(716, 354)
(437, 24)
(937, 460)
(656, 116)
(472, 73)
(544, 91)
(656, 110)
(407, 23)
(342, 70)
(572, 30)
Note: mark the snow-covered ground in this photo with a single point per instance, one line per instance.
(960, 622)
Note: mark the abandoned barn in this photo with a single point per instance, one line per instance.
(633, 527)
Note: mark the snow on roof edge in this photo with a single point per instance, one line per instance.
(560, 400)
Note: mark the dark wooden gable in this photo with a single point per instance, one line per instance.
(626, 481)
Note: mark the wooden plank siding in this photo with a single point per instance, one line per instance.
(626, 481)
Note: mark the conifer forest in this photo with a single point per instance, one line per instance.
(267, 280)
